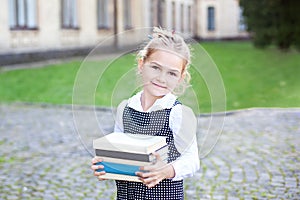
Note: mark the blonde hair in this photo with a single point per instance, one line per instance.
(172, 42)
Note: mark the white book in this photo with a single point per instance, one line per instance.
(120, 177)
(163, 152)
(132, 143)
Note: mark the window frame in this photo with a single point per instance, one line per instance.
(127, 14)
(182, 22)
(242, 23)
(190, 17)
(173, 11)
(70, 14)
(103, 18)
(23, 15)
(161, 18)
(211, 18)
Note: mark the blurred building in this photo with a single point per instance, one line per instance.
(64, 27)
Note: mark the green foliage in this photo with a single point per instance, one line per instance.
(273, 22)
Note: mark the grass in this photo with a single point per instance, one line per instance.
(50, 84)
(257, 78)
(251, 77)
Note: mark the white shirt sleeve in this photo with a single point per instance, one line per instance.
(184, 125)
(119, 117)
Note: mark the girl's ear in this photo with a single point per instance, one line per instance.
(182, 77)
(140, 65)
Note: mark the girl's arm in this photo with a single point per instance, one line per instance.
(186, 143)
(184, 126)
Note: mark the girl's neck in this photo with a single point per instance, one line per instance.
(147, 101)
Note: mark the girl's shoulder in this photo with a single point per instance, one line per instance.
(122, 105)
(182, 110)
(176, 102)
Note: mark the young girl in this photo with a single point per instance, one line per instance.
(163, 67)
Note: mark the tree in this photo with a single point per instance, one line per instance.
(273, 22)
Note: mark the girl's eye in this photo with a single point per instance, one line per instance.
(154, 67)
(173, 74)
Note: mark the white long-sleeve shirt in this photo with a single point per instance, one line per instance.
(183, 124)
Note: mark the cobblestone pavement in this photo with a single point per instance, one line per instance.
(256, 157)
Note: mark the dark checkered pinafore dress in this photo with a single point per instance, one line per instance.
(150, 123)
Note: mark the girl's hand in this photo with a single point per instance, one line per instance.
(156, 173)
(94, 167)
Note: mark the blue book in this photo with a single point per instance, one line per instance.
(117, 168)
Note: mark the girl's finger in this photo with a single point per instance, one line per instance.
(144, 174)
(151, 180)
(101, 179)
(157, 156)
(95, 167)
(99, 173)
(148, 168)
(152, 184)
(157, 166)
(96, 160)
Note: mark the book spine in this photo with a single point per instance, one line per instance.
(118, 168)
(131, 156)
(125, 155)
(164, 158)
(123, 161)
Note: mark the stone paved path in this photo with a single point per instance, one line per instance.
(256, 157)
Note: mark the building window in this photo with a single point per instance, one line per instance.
(211, 19)
(242, 24)
(152, 13)
(190, 19)
(22, 14)
(182, 18)
(127, 14)
(157, 13)
(161, 11)
(174, 15)
(69, 14)
(103, 15)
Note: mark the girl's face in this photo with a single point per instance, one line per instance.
(161, 73)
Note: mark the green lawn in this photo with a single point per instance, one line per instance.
(251, 77)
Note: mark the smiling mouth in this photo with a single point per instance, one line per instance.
(160, 86)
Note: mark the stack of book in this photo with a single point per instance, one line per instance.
(123, 154)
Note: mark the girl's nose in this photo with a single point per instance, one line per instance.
(161, 77)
